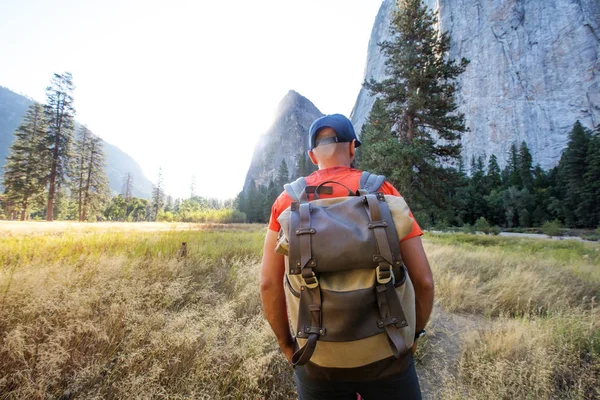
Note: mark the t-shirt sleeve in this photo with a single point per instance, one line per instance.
(273, 223)
(388, 188)
(281, 203)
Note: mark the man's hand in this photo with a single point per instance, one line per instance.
(288, 350)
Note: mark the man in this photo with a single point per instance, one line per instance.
(332, 148)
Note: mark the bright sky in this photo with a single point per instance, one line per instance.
(188, 85)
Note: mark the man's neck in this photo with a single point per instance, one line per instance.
(330, 164)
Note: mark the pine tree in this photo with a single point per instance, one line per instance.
(591, 192)
(193, 187)
(419, 93)
(96, 189)
(541, 194)
(26, 165)
(158, 196)
(493, 177)
(169, 204)
(283, 174)
(270, 197)
(571, 171)
(511, 175)
(525, 167)
(419, 103)
(128, 186)
(78, 180)
(255, 203)
(380, 149)
(302, 167)
(59, 112)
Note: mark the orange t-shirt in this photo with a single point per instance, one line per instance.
(345, 175)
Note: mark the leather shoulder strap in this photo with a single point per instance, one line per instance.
(297, 190)
(370, 182)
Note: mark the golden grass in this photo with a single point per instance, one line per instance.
(120, 316)
(505, 275)
(104, 313)
(541, 337)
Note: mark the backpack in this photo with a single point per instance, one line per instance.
(349, 298)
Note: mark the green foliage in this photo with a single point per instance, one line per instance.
(416, 101)
(283, 175)
(25, 172)
(467, 228)
(591, 191)
(59, 112)
(552, 228)
(482, 225)
(158, 197)
(221, 216)
(423, 219)
(89, 183)
(572, 170)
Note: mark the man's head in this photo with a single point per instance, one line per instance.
(332, 141)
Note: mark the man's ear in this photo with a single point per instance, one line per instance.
(352, 148)
(312, 157)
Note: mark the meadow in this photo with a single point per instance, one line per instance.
(115, 311)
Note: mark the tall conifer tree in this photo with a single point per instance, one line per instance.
(571, 172)
(25, 171)
(525, 167)
(59, 112)
(78, 178)
(96, 189)
(591, 192)
(419, 103)
(158, 195)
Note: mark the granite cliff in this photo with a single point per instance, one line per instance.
(284, 140)
(534, 71)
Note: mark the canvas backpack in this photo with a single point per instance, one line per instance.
(349, 297)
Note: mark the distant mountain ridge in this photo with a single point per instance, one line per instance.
(118, 163)
(285, 140)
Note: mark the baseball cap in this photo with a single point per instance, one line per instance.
(340, 124)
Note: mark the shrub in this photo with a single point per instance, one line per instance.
(552, 228)
(495, 230)
(467, 228)
(423, 219)
(482, 225)
(165, 216)
(222, 216)
(442, 225)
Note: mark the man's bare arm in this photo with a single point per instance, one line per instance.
(273, 295)
(420, 274)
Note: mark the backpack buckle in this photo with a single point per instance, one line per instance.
(385, 276)
(309, 278)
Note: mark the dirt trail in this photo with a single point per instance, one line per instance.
(438, 358)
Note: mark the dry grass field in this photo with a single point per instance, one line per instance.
(105, 311)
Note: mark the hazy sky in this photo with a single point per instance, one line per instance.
(187, 85)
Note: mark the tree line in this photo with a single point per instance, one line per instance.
(412, 136)
(255, 200)
(54, 171)
(51, 170)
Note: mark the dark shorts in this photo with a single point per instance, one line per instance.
(404, 385)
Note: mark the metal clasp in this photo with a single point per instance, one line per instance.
(381, 280)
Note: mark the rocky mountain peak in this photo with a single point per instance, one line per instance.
(285, 140)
